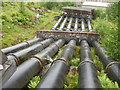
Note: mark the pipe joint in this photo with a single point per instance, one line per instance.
(16, 59)
(110, 64)
(86, 61)
(39, 60)
(62, 60)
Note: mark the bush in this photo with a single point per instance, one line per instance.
(101, 13)
(58, 5)
(112, 12)
(4, 17)
(108, 37)
(106, 82)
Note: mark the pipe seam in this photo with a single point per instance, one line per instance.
(16, 59)
(110, 64)
(67, 64)
(39, 60)
(86, 61)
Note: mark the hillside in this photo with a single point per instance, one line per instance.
(19, 24)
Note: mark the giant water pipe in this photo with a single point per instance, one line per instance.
(76, 24)
(86, 69)
(55, 76)
(26, 53)
(82, 25)
(12, 59)
(20, 46)
(57, 23)
(89, 25)
(32, 66)
(69, 24)
(63, 23)
(111, 67)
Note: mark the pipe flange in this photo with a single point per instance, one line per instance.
(110, 64)
(60, 60)
(86, 61)
(39, 60)
(15, 57)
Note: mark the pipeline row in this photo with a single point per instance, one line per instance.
(73, 23)
(43, 50)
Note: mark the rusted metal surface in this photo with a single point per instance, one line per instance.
(32, 66)
(67, 35)
(78, 11)
(59, 68)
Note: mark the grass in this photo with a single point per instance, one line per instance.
(14, 33)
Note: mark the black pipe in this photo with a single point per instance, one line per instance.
(20, 46)
(63, 24)
(86, 69)
(76, 25)
(55, 76)
(26, 53)
(111, 67)
(58, 23)
(89, 25)
(69, 24)
(83, 25)
(32, 66)
(7, 68)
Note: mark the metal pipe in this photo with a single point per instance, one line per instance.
(26, 53)
(89, 26)
(86, 69)
(58, 23)
(57, 72)
(69, 24)
(63, 24)
(20, 46)
(83, 25)
(76, 25)
(32, 66)
(111, 67)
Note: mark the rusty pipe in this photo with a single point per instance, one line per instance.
(32, 66)
(57, 72)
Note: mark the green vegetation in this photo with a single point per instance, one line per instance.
(106, 24)
(18, 25)
(106, 82)
(33, 82)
